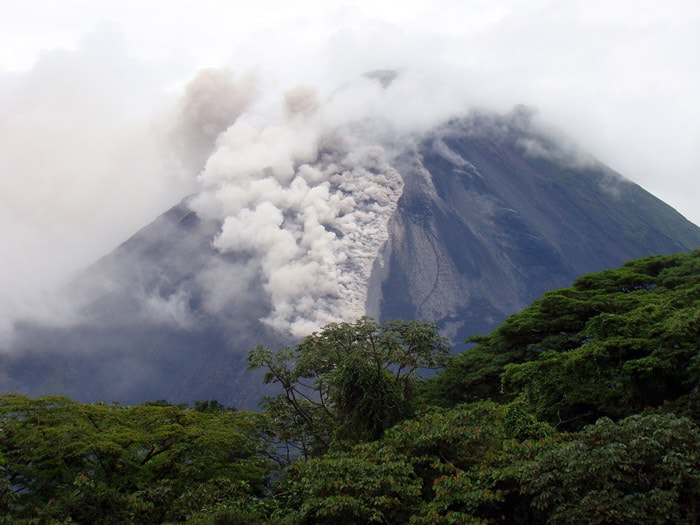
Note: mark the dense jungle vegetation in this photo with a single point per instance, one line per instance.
(582, 408)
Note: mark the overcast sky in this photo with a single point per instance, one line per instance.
(86, 87)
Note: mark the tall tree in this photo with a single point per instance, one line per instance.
(349, 381)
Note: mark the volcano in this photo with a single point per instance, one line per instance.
(462, 223)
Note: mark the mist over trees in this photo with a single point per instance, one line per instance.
(582, 408)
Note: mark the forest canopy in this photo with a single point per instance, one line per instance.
(582, 408)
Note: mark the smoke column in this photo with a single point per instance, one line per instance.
(308, 201)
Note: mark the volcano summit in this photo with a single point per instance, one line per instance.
(332, 211)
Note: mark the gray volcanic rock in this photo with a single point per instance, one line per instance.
(493, 213)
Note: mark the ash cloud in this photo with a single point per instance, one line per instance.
(212, 101)
(309, 202)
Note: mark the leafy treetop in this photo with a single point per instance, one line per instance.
(613, 344)
(349, 381)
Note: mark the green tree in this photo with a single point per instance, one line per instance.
(364, 485)
(349, 381)
(644, 469)
(613, 344)
(454, 465)
(101, 463)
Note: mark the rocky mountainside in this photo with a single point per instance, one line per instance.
(462, 224)
(495, 212)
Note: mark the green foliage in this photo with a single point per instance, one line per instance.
(467, 457)
(348, 381)
(519, 429)
(644, 469)
(615, 343)
(112, 464)
(442, 466)
(467, 465)
(361, 486)
(366, 400)
(450, 451)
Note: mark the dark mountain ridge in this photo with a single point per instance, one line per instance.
(485, 224)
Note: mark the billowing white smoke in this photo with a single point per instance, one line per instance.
(309, 202)
(212, 101)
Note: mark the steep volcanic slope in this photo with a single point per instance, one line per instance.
(144, 333)
(492, 213)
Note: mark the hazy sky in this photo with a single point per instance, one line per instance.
(87, 88)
